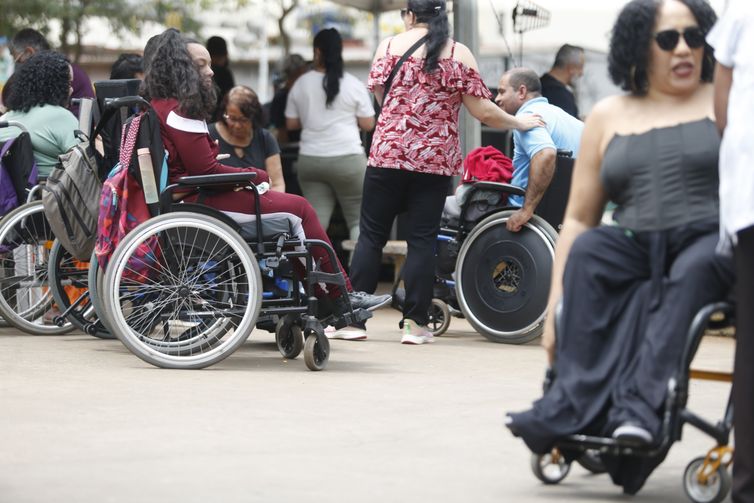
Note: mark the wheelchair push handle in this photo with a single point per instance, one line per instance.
(14, 124)
(125, 101)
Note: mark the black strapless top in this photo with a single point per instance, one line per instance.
(664, 177)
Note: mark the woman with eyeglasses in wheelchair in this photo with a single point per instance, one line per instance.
(630, 291)
(178, 82)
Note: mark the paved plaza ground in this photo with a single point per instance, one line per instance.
(82, 420)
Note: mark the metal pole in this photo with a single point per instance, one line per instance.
(264, 61)
(466, 31)
(376, 28)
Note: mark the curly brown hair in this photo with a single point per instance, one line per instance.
(170, 72)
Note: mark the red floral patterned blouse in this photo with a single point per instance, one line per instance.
(418, 127)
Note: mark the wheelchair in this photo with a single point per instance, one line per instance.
(208, 279)
(44, 290)
(498, 280)
(26, 301)
(707, 478)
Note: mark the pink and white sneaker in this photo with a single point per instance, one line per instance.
(415, 334)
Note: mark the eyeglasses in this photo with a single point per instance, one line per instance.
(238, 120)
(668, 39)
(404, 12)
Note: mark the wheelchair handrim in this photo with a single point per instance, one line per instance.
(114, 283)
(489, 222)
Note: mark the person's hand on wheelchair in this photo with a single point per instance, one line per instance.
(518, 219)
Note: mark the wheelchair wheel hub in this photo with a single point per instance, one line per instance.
(507, 276)
(184, 292)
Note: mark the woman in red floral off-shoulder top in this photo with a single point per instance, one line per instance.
(415, 151)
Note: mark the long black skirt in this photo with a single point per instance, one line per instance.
(628, 301)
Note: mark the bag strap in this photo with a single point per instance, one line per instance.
(128, 141)
(389, 81)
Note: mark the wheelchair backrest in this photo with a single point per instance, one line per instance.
(18, 171)
(148, 162)
(553, 204)
(106, 91)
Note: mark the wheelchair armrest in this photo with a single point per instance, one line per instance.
(564, 153)
(497, 186)
(203, 181)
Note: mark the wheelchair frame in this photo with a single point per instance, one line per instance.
(706, 478)
(295, 320)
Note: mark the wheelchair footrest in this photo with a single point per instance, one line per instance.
(358, 316)
(315, 277)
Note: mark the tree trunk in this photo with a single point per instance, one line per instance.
(284, 37)
(65, 26)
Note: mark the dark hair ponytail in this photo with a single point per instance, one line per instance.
(434, 14)
(330, 47)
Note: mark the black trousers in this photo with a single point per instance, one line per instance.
(628, 301)
(387, 193)
(743, 379)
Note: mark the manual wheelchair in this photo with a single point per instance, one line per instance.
(209, 277)
(706, 478)
(498, 280)
(44, 290)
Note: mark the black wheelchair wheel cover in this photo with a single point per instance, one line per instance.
(503, 278)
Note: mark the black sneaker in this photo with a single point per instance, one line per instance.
(363, 300)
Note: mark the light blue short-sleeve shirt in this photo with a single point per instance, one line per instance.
(561, 132)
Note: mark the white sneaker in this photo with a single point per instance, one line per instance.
(415, 334)
(347, 334)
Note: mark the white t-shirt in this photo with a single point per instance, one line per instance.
(329, 131)
(733, 39)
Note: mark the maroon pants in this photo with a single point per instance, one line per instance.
(272, 202)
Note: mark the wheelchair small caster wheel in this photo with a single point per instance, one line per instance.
(439, 317)
(59, 321)
(289, 338)
(550, 468)
(592, 462)
(316, 351)
(705, 484)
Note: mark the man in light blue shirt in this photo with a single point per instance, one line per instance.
(535, 151)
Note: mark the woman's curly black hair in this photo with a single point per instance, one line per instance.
(44, 79)
(631, 38)
(171, 73)
(248, 102)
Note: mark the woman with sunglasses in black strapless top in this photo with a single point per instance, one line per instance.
(630, 291)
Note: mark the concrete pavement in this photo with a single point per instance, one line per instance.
(83, 420)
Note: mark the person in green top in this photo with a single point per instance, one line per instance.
(38, 100)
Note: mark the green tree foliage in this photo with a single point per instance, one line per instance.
(121, 16)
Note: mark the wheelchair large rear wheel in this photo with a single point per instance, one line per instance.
(503, 278)
(25, 298)
(195, 303)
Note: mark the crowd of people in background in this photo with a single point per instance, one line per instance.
(659, 264)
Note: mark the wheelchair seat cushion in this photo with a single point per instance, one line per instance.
(273, 224)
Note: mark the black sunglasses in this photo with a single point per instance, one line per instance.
(668, 39)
